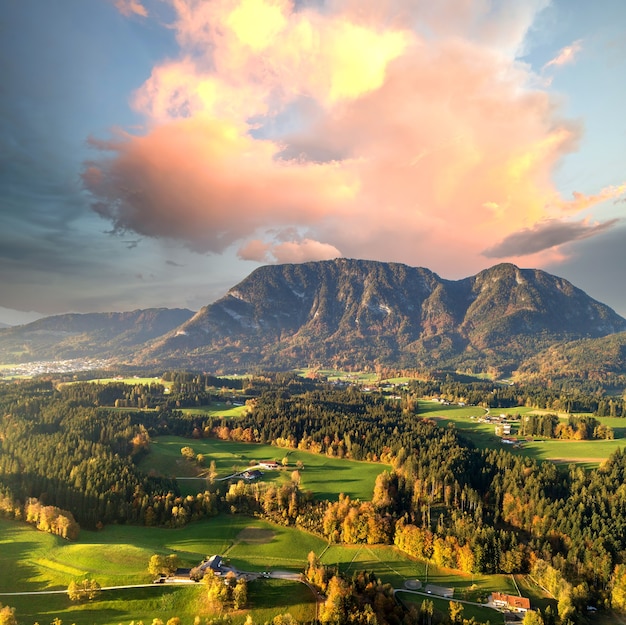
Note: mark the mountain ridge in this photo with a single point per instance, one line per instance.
(346, 311)
(342, 313)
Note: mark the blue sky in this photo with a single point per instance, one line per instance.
(154, 153)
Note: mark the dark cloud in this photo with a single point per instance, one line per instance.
(545, 235)
(173, 263)
(597, 266)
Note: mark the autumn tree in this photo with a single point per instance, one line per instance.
(618, 590)
(455, 610)
(7, 615)
(284, 619)
(334, 609)
(532, 618)
(85, 589)
(240, 594)
(427, 610)
(163, 565)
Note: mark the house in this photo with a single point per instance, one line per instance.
(213, 563)
(503, 429)
(510, 602)
(251, 475)
(269, 465)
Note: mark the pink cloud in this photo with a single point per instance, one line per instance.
(297, 134)
(131, 7)
(566, 55)
(288, 251)
(206, 182)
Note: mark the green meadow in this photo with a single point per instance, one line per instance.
(482, 615)
(325, 477)
(586, 453)
(337, 375)
(118, 555)
(216, 409)
(120, 380)
(394, 567)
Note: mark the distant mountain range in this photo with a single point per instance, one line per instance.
(91, 335)
(347, 313)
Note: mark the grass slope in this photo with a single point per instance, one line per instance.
(118, 555)
(586, 453)
(325, 477)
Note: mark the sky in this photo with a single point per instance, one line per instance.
(155, 152)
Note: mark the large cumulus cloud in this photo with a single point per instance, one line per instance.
(395, 130)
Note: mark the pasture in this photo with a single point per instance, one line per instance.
(482, 615)
(218, 409)
(394, 567)
(325, 477)
(118, 555)
(590, 453)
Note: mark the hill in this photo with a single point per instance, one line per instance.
(589, 359)
(102, 335)
(353, 313)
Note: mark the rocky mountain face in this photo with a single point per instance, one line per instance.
(91, 335)
(354, 313)
(348, 313)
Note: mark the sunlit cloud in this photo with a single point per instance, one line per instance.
(566, 55)
(288, 251)
(375, 129)
(131, 7)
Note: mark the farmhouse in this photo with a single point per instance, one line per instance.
(269, 465)
(213, 563)
(251, 475)
(510, 602)
(503, 429)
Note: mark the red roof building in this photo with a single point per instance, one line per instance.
(512, 602)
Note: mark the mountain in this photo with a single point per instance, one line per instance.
(355, 313)
(101, 335)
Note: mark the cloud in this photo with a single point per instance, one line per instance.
(372, 129)
(582, 265)
(288, 251)
(566, 55)
(546, 235)
(582, 201)
(131, 7)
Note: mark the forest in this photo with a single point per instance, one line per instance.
(68, 459)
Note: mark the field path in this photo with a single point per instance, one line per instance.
(64, 592)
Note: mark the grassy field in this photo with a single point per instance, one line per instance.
(335, 375)
(118, 555)
(482, 615)
(216, 409)
(119, 380)
(586, 453)
(395, 567)
(325, 477)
